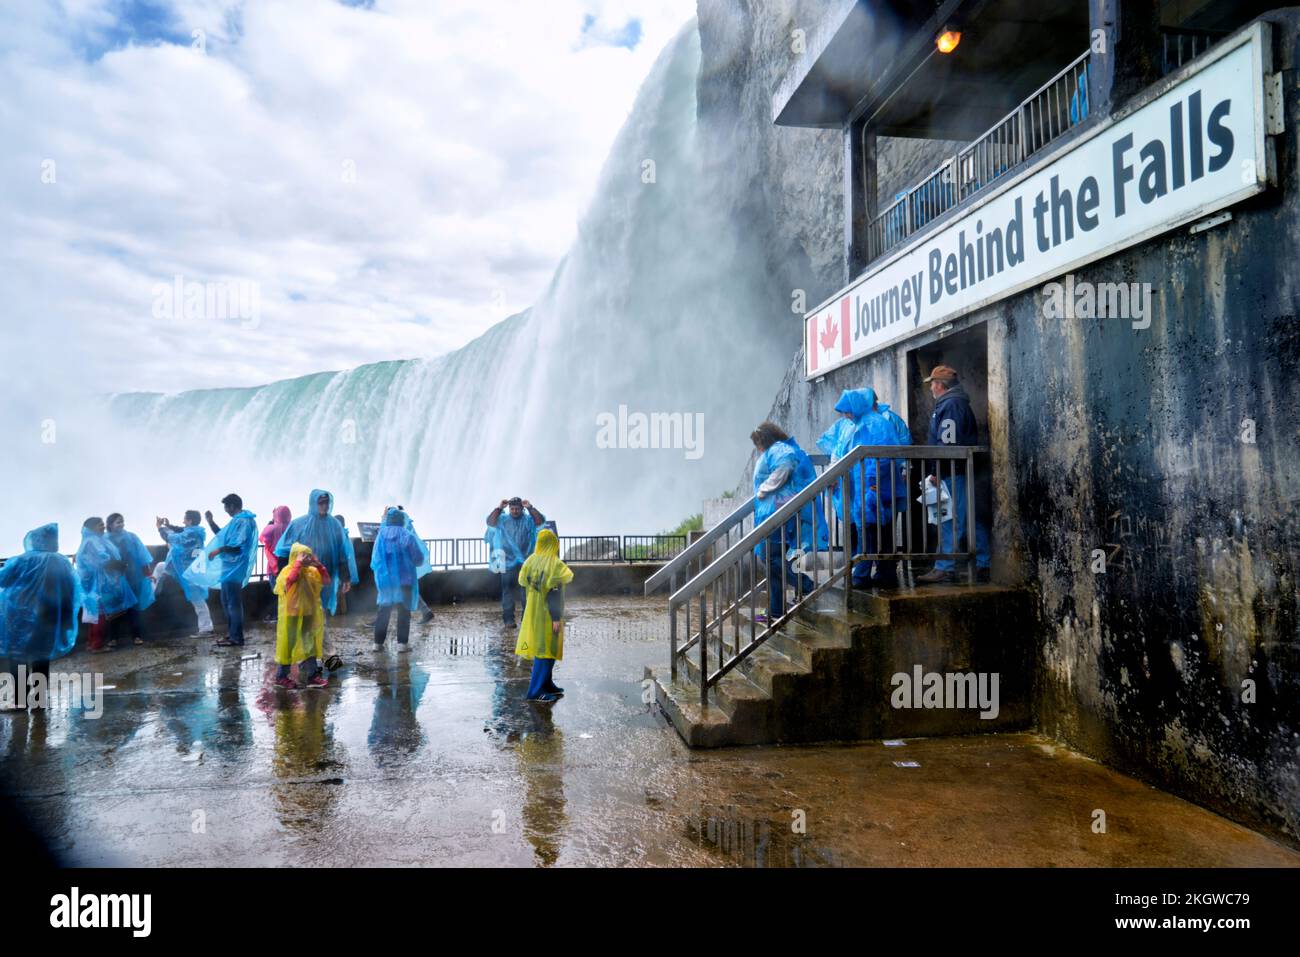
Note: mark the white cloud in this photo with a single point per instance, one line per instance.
(475, 131)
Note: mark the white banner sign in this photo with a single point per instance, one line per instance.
(1196, 148)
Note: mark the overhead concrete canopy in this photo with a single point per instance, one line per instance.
(877, 59)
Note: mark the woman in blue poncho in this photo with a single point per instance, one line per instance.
(40, 605)
(137, 566)
(396, 559)
(320, 531)
(184, 545)
(109, 601)
(781, 471)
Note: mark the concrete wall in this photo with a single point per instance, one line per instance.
(1131, 441)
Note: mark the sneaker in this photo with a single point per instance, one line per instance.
(377, 646)
(318, 681)
(428, 616)
(403, 648)
(935, 576)
(287, 683)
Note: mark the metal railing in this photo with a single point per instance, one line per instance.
(652, 548)
(734, 581)
(700, 552)
(713, 542)
(446, 553)
(1058, 105)
(1177, 46)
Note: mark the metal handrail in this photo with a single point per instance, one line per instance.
(700, 546)
(730, 588)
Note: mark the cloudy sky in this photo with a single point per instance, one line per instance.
(357, 181)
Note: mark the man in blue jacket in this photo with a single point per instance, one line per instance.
(953, 423)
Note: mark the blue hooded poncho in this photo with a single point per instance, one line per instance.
(240, 532)
(106, 592)
(183, 547)
(802, 474)
(40, 600)
(396, 560)
(328, 541)
(425, 567)
(506, 535)
(873, 424)
(135, 557)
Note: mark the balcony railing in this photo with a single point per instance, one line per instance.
(1057, 106)
(1178, 46)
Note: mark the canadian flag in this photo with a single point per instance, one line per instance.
(828, 336)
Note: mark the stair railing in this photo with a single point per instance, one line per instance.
(736, 579)
(717, 539)
(698, 553)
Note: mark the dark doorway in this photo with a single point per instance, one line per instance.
(967, 352)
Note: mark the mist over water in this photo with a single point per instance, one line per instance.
(663, 304)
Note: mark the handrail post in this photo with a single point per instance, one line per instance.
(704, 649)
(672, 637)
(970, 514)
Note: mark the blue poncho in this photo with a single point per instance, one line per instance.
(135, 557)
(516, 537)
(40, 600)
(329, 543)
(425, 566)
(241, 533)
(106, 591)
(873, 424)
(802, 474)
(396, 560)
(183, 547)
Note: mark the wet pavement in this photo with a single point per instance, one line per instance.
(436, 758)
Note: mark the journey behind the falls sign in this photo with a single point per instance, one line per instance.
(1195, 148)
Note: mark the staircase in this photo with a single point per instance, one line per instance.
(826, 674)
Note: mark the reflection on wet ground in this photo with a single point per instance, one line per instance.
(435, 757)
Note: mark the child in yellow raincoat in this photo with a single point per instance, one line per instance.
(300, 628)
(541, 636)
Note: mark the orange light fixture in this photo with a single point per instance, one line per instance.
(947, 41)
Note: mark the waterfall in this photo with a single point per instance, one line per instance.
(664, 303)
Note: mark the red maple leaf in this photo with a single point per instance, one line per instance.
(830, 333)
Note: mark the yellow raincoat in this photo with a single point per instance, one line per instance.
(542, 572)
(300, 624)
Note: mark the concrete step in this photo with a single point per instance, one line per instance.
(807, 645)
(828, 674)
(766, 666)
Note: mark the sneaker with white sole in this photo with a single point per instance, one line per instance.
(403, 648)
(377, 646)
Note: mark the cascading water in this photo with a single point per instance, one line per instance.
(664, 304)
